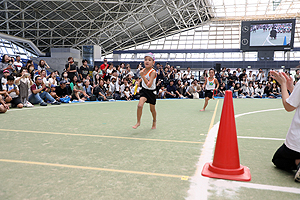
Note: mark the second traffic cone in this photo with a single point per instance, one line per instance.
(226, 163)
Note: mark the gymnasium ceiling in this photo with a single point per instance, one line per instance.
(118, 24)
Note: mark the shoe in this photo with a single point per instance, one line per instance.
(29, 105)
(43, 104)
(25, 104)
(297, 175)
(82, 101)
(55, 103)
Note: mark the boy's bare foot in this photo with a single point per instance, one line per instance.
(137, 125)
(154, 125)
(202, 110)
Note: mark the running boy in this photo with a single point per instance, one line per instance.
(210, 84)
(148, 90)
(287, 157)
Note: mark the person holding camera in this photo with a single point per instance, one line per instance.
(40, 93)
(24, 82)
(6, 64)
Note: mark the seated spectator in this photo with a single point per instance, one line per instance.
(13, 92)
(127, 94)
(65, 77)
(194, 89)
(4, 77)
(53, 92)
(171, 90)
(87, 87)
(162, 92)
(237, 90)
(259, 91)
(222, 89)
(73, 82)
(3, 106)
(44, 78)
(267, 91)
(52, 79)
(78, 92)
(40, 93)
(62, 91)
(275, 91)
(100, 91)
(122, 88)
(251, 89)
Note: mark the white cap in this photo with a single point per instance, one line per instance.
(151, 55)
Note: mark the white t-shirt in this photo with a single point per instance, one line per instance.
(11, 87)
(3, 80)
(18, 65)
(51, 81)
(292, 140)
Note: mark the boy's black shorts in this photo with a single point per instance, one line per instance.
(150, 95)
(208, 93)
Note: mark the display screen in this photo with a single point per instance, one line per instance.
(271, 34)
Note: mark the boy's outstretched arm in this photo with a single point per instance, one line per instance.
(281, 79)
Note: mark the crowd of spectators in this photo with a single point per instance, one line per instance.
(23, 85)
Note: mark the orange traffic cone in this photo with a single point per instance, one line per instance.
(226, 163)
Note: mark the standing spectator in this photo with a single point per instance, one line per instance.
(114, 88)
(18, 64)
(40, 93)
(160, 72)
(71, 68)
(84, 70)
(109, 71)
(224, 76)
(232, 79)
(242, 75)
(104, 67)
(238, 72)
(96, 72)
(250, 77)
(13, 92)
(24, 83)
(139, 68)
(5, 65)
(180, 89)
(203, 76)
(297, 75)
(260, 76)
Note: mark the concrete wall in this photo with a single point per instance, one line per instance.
(59, 57)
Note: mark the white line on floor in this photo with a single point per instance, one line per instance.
(200, 184)
(259, 138)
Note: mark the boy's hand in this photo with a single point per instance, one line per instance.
(142, 72)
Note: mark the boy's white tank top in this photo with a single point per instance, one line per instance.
(210, 85)
(147, 76)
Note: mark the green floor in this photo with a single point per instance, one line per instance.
(66, 135)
